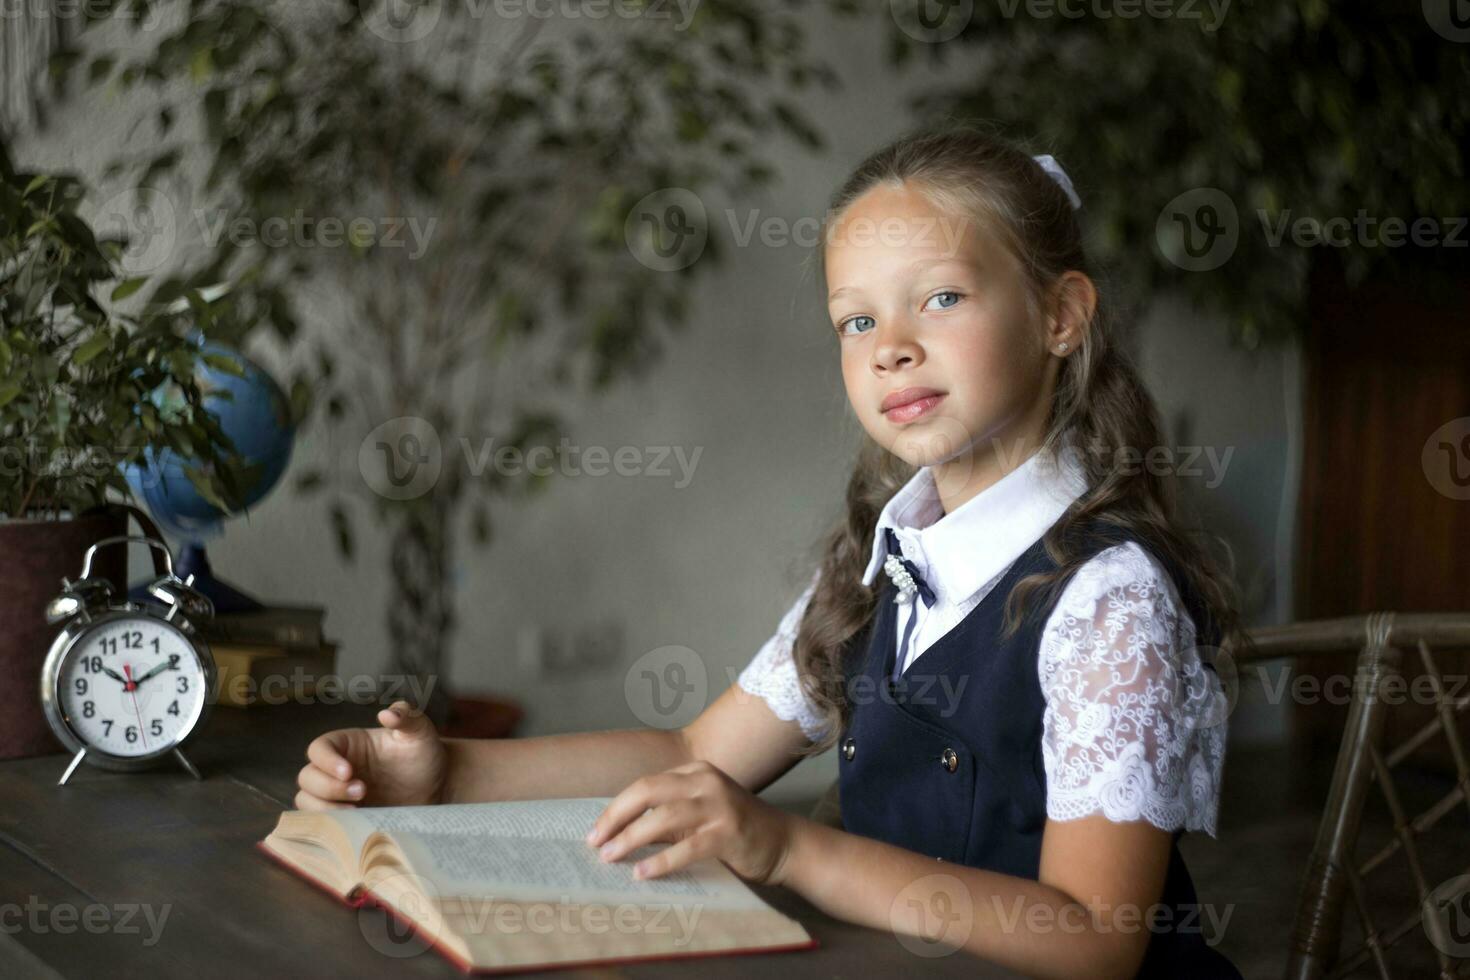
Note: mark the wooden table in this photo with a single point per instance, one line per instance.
(83, 866)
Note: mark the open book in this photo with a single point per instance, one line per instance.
(516, 886)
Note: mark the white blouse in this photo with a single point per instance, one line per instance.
(1134, 724)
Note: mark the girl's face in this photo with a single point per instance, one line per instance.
(928, 303)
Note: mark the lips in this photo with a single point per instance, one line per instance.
(905, 396)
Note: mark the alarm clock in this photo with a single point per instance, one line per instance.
(125, 684)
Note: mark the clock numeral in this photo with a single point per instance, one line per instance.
(156, 727)
(106, 727)
(109, 647)
(133, 640)
(173, 709)
(92, 664)
(81, 686)
(183, 685)
(155, 644)
(88, 709)
(131, 734)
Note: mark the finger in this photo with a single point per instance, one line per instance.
(305, 801)
(665, 822)
(329, 753)
(406, 721)
(695, 847)
(637, 796)
(326, 787)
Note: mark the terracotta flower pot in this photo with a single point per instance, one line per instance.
(482, 718)
(34, 557)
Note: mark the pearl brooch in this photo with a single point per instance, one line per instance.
(901, 578)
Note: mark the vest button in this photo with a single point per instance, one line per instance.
(949, 760)
(849, 748)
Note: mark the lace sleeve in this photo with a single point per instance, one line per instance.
(771, 673)
(1134, 724)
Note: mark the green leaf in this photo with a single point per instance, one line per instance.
(300, 400)
(8, 393)
(225, 363)
(343, 528)
(91, 347)
(128, 287)
(206, 488)
(201, 64)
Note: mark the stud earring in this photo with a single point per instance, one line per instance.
(1062, 347)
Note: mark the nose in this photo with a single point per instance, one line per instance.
(895, 346)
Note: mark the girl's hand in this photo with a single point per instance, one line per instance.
(704, 813)
(404, 763)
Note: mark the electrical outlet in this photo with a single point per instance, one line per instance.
(543, 651)
(600, 643)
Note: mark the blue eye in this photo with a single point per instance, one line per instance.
(948, 292)
(841, 327)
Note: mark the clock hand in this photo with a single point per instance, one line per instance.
(132, 689)
(114, 674)
(172, 663)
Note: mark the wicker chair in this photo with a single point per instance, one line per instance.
(1333, 873)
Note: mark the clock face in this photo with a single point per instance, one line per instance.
(131, 686)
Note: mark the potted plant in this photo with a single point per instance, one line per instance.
(80, 389)
(527, 225)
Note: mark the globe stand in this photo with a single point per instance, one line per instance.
(194, 561)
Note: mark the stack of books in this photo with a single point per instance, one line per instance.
(275, 655)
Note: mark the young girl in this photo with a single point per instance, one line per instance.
(1007, 637)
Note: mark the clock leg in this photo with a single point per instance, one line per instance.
(76, 760)
(187, 764)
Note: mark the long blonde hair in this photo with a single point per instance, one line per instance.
(1100, 404)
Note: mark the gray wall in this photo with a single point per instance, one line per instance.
(754, 386)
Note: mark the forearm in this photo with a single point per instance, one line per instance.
(551, 766)
(1016, 922)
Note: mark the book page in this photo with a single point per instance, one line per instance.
(535, 849)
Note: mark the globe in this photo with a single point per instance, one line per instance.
(256, 416)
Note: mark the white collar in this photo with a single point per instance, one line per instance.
(959, 552)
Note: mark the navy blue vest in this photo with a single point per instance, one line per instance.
(946, 761)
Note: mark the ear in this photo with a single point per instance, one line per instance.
(1073, 300)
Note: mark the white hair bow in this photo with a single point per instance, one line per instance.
(1055, 171)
